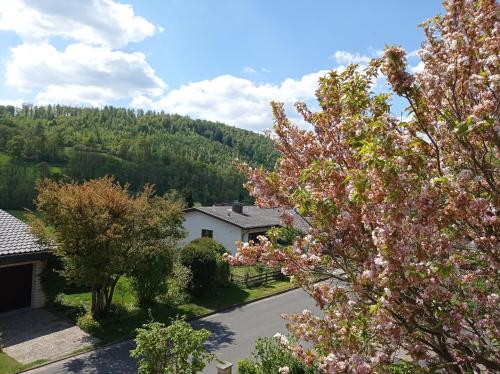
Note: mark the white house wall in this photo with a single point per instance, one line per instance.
(223, 232)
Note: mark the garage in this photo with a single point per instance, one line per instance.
(22, 260)
(16, 284)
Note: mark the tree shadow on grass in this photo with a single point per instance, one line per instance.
(122, 320)
(227, 296)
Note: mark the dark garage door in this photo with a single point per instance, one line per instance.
(15, 287)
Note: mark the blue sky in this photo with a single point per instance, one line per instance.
(220, 60)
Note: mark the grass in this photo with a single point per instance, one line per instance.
(242, 271)
(4, 158)
(9, 365)
(126, 316)
(21, 214)
(56, 169)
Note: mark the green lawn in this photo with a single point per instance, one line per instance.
(4, 158)
(9, 365)
(56, 169)
(126, 316)
(247, 270)
(21, 214)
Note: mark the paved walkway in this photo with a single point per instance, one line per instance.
(36, 334)
(234, 335)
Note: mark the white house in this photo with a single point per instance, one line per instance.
(231, 223)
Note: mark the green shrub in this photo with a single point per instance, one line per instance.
(223, 274)
(269, 356)
(209, 243)
(175, 349)
(53, 283)
(246, 366)
(209, 272)
(402, 368)
(149, 274)
(286, 235)
(178, 285)
(87, 323)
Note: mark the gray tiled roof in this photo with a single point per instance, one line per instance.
(253, 216)
(15, 237)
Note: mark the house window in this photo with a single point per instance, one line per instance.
(207, 233)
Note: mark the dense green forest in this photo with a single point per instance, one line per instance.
(173, 152)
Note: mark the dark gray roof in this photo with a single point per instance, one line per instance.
(253, 217)
(15, 237)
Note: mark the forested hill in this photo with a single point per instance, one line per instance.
(194, 157)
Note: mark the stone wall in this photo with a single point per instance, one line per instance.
(37, 293)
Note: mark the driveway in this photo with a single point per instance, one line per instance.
(234, 335)
(35, 334)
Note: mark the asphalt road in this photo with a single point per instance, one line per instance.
(234, 334)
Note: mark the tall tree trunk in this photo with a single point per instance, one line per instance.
(109, 293)
(96, 301)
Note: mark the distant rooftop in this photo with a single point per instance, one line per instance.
(252, 216)
(15, 237)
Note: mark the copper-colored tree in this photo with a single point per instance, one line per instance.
(98, 229)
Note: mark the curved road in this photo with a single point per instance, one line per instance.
(234, 334)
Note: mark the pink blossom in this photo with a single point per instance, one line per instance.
(405, 216)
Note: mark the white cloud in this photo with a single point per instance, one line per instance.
(89, 71)
(415, 57)
(14, 102)
(75, 95)
(249, 70)
(97, 22)
(417, 68)
(80, 74)
(346, 58)
(413, 53)
(232, 100)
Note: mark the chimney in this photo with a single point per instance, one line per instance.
(238, 207)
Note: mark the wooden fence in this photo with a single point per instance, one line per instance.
(257, 280)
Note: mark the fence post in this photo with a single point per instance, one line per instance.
(224, 368)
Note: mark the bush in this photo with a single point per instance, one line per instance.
(223, 274)
(209, 271)
(287, 235)
(176, 348)
(402, 368)
(87, 323)
(149, 274)
(284, 235)
(178, 285)
(209, 243)
(52, 282)
(269, 356)
(246, 366)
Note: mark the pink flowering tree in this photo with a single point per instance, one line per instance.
(404, 213)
